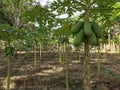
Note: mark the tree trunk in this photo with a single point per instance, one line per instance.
(66, 67)
(8, 69)
(8, 73)
(40, 51)
(35, 59)
(98, 60)
(60, 53)
(86, 66)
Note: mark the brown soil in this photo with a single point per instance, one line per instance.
(49, 75)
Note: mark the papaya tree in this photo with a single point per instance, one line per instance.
(9, 34)
(8, 52)
(43, 19)
(90, 10)
(37, 38)
(63, 34)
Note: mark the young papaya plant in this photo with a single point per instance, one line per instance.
(37, 37)
(63, 33)
(6, 33)
(9, 34)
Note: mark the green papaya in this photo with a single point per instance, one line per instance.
(76, 28)
(87, 29)
(92, 39)
(98, 42)
(79, 38)
(96, 29)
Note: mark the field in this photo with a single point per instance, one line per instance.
(49, 73)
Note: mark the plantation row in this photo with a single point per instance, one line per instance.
(27, 25)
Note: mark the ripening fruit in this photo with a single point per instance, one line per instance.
(92, 39)
(96, 29)
(98, 42)
(75, 29)
(79, 38)
(87, 29)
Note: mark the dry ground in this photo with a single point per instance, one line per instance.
(48, 75)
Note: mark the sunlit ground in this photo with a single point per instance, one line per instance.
(53, 69)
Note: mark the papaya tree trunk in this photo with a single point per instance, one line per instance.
(35, 59)
(106, 52)
(40, 51)
(25, 72)
(119, 41)
(66, 67)
(119, 48)
(109, 42)
(60, 53)
(66, 75)
(8, 69)
(86, 66)
(98, 60)
(8, 73)
(79, 59)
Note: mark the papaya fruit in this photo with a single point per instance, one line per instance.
(79, 38)
(96, 29)
(87, 29)
(92, 39)
(76, 28)
(98, 42)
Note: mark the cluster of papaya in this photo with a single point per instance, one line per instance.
(85, 30)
